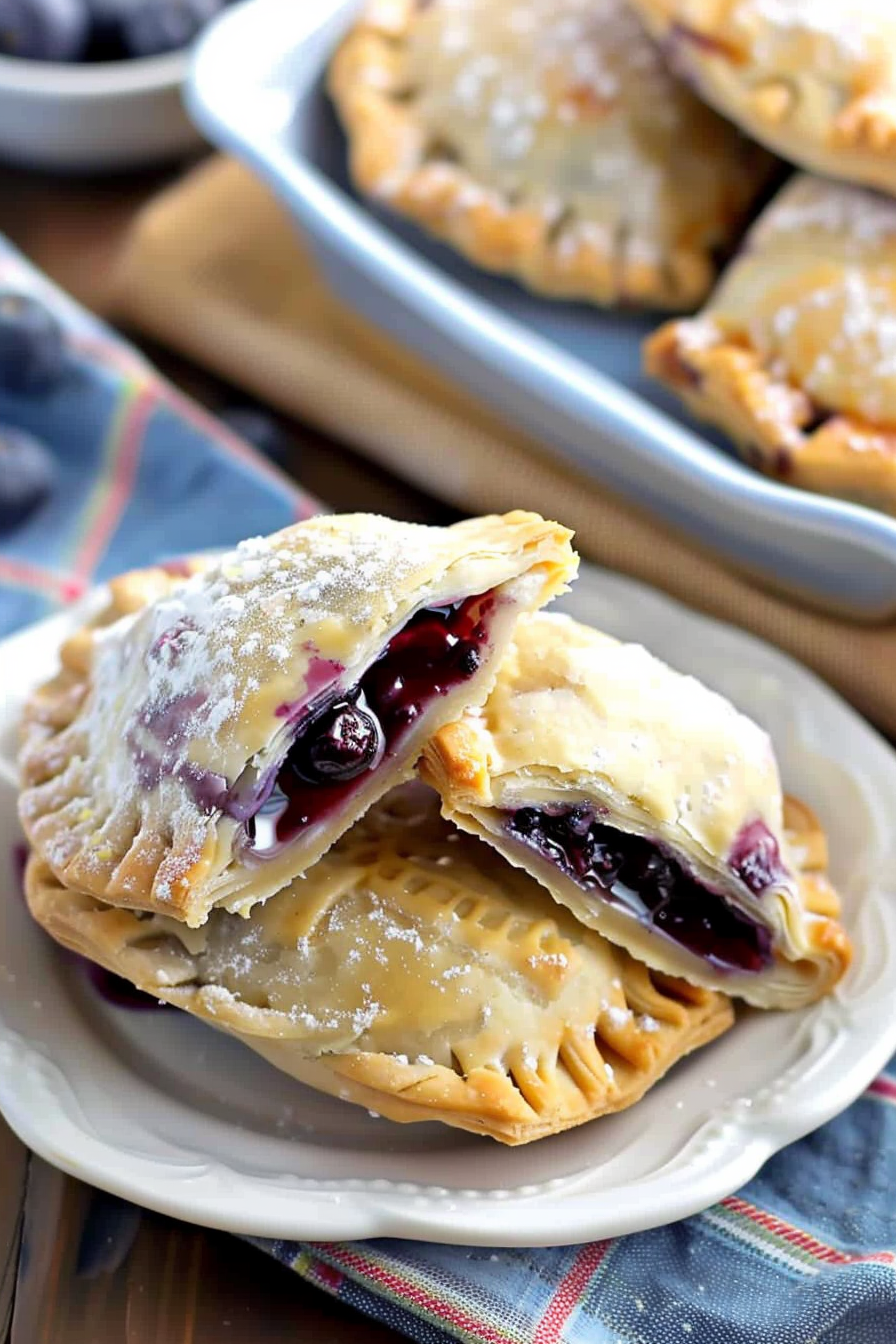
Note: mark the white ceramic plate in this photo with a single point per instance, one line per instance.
(161, 1109)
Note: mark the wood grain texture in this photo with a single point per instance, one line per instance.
(95, 1270)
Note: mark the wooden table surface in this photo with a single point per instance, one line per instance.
(156, 1281)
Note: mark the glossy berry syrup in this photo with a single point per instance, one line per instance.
(632, 872)
(348, 737)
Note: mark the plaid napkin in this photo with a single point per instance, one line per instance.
(806, 1252)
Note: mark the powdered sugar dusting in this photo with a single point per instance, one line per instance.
(185, 694)
(512, 78)
(832, 331)
(858, 218)
(851, 28)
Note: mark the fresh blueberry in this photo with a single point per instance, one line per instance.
(44, 30)
(27, 475)
(258, 427)
(343, 745)
(156, 26)
(468, 658)
(32, 344)
(525, 821)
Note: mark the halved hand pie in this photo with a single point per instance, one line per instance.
(795, 354)
(208, 748)
(545, 139)
(414, 972)
(651, 808)
(815, 80)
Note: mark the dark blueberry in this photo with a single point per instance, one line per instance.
(606, 862)
(525, 821)
(32, 344)
(152, 27)
(342, 745)
(27, 475)
(579, 819)
(258, 427)
(44, 30)
(469, 659)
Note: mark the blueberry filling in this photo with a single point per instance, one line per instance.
(347, 736)
(634, 873)
(756, 858)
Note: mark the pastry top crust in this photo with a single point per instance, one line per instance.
(795, 353)
(543, 138)
(140, 764)
(815, 80)
(576, 710)
(415, 955)
(576, 717)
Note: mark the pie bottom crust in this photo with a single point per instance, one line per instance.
(724, 380)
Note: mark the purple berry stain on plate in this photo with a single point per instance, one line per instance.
(120, 993)
(19, 859)
(110, 987)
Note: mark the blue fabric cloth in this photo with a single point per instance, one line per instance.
(142, 472)
(806, 1254)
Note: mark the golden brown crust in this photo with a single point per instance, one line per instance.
(414, 972)
(793, 355)
(515, 1107)
(772, 423)
(815, 82)
(542, 142)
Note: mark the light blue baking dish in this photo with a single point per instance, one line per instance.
(568, 373)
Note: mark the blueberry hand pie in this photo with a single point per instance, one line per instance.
(209, 747)
(414, 972)
(651, 808)
(546, 140)
(815, 80)
(795, 354)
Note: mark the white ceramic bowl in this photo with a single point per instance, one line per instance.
(94, 117)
